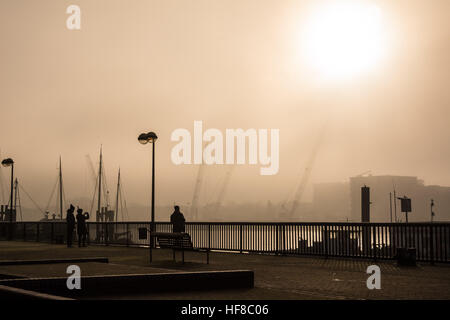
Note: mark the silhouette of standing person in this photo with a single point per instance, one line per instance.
(81, 227)
(177, 220)
(70, 225)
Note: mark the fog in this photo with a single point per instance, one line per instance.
(139, 66)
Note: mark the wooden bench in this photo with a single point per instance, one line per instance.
(177, 242)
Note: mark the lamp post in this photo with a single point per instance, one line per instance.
(145, 138)
(8, 162)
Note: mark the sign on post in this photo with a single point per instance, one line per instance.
(405, 206)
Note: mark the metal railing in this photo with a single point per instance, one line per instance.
(361, 240)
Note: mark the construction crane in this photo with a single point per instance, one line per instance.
(91, 169)
(222, 190)
(364, 173)
(305, 177)
(224, 187)
(197, 187)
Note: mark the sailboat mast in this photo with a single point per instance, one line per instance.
(60, 190)
(1, 183)
(16, 184)
(100, 183)
(117, 196)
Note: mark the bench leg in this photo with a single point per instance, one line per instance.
(207, 256)
(151, 254)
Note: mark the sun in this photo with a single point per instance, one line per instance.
(344, 38)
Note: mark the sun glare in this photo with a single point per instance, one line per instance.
(345, 38)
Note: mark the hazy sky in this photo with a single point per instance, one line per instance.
(146, 65)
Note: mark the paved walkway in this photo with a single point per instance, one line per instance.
(276, 277)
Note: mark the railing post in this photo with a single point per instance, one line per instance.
(88, 235)
(37, 232)
(277, 242)
(431, 245)
(284, 239)
(240, 238)
(325, 241)
(152, 229)
(209, 236)
(52, 232)
(128, 244)
(106, 233)
(374, 245)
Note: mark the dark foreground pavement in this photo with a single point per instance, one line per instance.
(276, 277)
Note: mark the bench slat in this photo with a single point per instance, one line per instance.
(176, 241)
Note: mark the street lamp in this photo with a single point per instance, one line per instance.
(145, 138)
(8, 162)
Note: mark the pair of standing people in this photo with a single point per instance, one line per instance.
(81, 226)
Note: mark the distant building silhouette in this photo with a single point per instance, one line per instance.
(339, 201)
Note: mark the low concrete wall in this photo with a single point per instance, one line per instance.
(92, 286)
(9, 293)
(52, 261)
